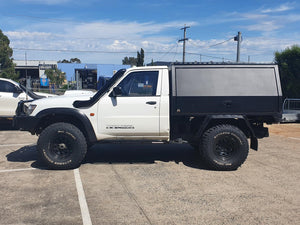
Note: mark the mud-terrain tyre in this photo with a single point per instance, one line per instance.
(62, 146)
(224, 147)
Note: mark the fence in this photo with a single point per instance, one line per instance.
(57, 91)
(291, 104)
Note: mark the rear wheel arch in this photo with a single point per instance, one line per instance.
(239, 121)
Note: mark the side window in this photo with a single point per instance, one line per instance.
(140, 84)
(6, 86)
(2, 86)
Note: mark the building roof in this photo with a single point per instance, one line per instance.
(21, 63)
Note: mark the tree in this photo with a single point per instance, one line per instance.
(64, 61)
(140, 58)
(55, 76)
(152, 63)
(129, 61)
(289, 66)
(138, 61)
(7, 67)
(75, 60)
(72, 60)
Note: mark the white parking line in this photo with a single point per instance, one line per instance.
(16, 170)
(294, 138)
(86, 219)
(11, 145)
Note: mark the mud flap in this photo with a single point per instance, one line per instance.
(254, 143)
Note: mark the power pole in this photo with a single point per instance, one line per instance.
(26, 77)
(238, 38)
(184, 40)
(77, 80)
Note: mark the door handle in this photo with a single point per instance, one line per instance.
(151, 103)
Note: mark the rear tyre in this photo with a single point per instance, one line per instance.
(224, 147)
(62, 146)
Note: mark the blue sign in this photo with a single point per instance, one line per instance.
(44, 82)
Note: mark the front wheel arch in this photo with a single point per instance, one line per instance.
(50, 116)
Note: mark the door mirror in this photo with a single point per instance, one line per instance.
(117, 91)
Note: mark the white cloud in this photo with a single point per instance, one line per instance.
(264, 26)
(122, 29)
(262, 20)
(88, 38)
(271, 19)
(129, 36)
(23, 35)
(253, 16)
(122, 45)
(258, 48)
(100, 36)
(281, 8)
(270, 23)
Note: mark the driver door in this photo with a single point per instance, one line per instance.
(135, 112)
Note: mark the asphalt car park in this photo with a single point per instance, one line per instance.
(151, 184)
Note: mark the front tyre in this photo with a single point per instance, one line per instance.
(224, 147)
(62, 146)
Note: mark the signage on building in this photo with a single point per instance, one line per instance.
(47, 66)
(44, 82)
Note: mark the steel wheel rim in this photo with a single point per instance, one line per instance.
(61, 145)
(226, 146)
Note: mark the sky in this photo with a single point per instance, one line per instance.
(104, 32)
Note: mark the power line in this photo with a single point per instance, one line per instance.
(220, 43)
(65, 50)
(172, 47)
(94, 38)
(91, 51)
(119, 52)
(213, 45)
(55, 20)
(209, 56)
(175, 52)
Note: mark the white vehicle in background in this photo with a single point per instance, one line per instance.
(78, 92)
(11, 93)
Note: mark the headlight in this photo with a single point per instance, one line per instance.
(29, 109)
